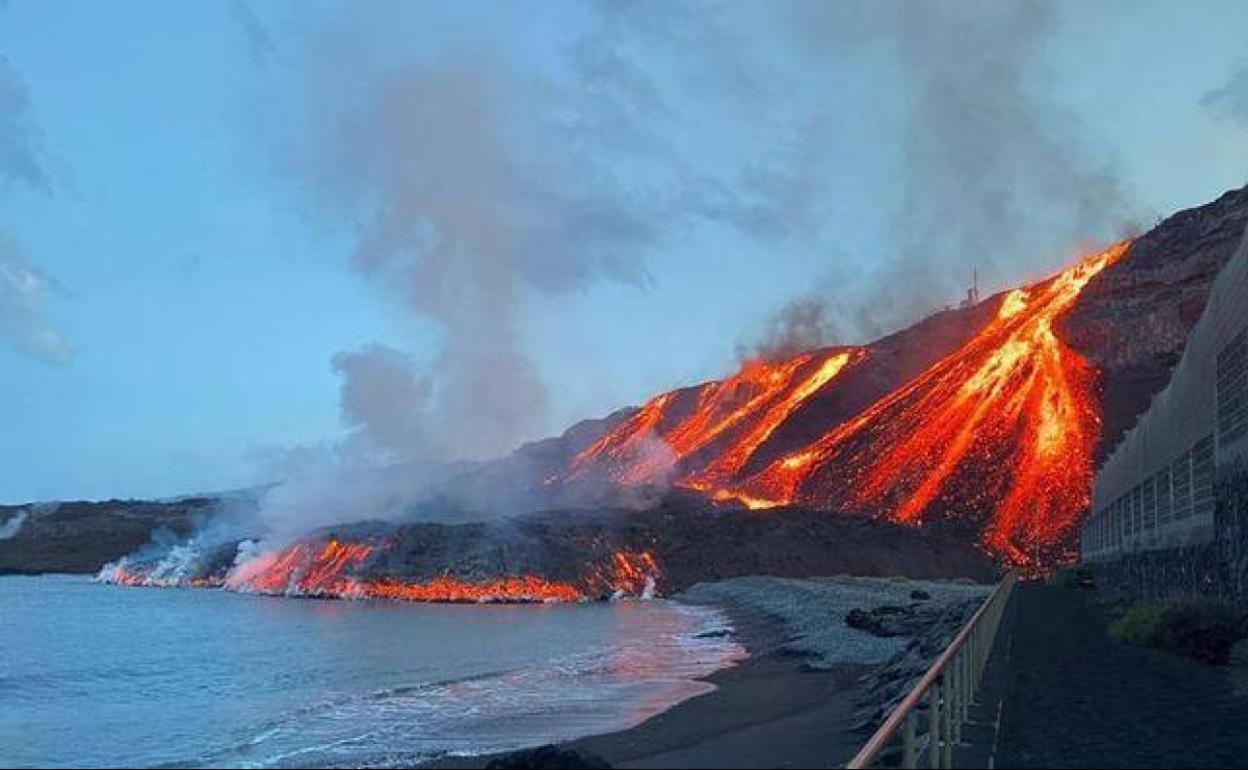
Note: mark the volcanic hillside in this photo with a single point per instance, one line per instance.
(987, 420)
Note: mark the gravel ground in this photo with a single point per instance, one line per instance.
(1072, 697)
(810, 613)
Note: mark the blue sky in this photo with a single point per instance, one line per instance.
(212, 175)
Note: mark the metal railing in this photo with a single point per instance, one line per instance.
(949, 687)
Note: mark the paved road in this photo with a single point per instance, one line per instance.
(1059, 693)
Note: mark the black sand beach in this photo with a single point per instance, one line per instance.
(790, 704)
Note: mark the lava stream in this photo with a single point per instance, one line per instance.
(1004, 426)
(726, 425)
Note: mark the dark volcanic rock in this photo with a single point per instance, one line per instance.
(551, 757)
(931, 630)
(81, 537)
(691, 539)
(886, 622)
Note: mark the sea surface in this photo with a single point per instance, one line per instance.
(94, 675)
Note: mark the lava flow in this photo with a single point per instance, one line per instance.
(708, 441)
(1004, 427)
(336, 569)
(999, 433)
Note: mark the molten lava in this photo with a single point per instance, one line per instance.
(335, 569)
(999, 432)
(123, 575)
(301, 569)
(711, 441)
(1007, 424)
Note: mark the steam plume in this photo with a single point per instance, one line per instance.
(10, 528)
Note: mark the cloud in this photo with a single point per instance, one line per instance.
(645, 70)
(25, 290)
(22, 157)
(255, 34)
(25, 293)
(1230, 100)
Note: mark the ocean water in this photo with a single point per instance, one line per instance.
(94, 675)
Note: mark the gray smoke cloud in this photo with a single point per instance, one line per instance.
(475, 190)
(804, 323)
(994, 174)
(458, 220)
(1229, 101)
(383, 402)
(832, 312)
(25, 290)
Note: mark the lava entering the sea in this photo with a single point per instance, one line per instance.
(336, 569)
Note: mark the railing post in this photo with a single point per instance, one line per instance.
(955, 700)
(946, 746)
(968, 685)
(909, 752)
(934, 718)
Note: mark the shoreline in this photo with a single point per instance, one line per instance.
(762, 701)
(770, 709)
(793, 702)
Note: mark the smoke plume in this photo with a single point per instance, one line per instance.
(994, 174)
(1229, 101)
(474, 189)
(465, 209)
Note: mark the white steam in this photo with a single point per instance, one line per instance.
(10, 528)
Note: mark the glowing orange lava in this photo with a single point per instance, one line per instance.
(1007, 424)
(1001, 431)
(119, 574)
(526, 588)
(727, 423)
(335, 569)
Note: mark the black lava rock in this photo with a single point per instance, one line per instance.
(551, 757)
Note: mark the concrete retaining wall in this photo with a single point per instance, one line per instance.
(1217, 568)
